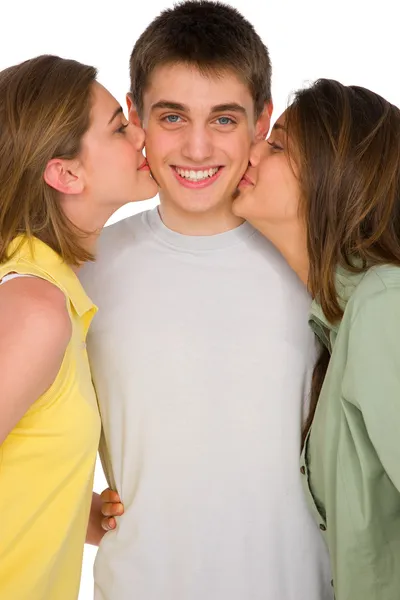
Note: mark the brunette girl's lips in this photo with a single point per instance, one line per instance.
(247, 180)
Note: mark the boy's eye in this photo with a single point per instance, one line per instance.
(172, 118)
(225, 121)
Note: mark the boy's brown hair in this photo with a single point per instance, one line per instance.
(211, 36)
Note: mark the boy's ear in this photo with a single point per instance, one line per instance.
(132, 112)
(264, 121)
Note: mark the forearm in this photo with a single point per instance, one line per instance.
(95, 531)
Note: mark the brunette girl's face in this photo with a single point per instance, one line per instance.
(269, 193)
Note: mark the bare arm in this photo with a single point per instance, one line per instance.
(95, 531)
(35, 329)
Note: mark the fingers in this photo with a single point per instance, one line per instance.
(112, 509)
(110, 496)
(108, 523)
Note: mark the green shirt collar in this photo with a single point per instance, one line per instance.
(346, 284)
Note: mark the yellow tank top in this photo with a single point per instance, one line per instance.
(47, 461)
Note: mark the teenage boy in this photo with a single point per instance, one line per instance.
(201, 351)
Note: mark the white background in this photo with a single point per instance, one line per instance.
(354, 41)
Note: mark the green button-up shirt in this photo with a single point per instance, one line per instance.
(351, 459)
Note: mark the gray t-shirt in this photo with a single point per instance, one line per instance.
(201, 356)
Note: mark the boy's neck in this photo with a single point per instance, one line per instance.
(199, 223)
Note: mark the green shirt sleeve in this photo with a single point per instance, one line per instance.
(372, 375)
(353, 453)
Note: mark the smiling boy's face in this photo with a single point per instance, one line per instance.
(199, 129)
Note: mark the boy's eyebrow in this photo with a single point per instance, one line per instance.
(279, 126)
(228, 107)
(168, 104)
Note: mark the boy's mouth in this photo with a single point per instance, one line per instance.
(197, 177)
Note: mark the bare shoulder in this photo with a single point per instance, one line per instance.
(34, 307)
(35, 329)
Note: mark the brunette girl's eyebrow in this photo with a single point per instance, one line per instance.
(116, 112)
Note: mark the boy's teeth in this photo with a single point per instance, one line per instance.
(196, 175)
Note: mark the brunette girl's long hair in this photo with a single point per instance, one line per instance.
(347, 142)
